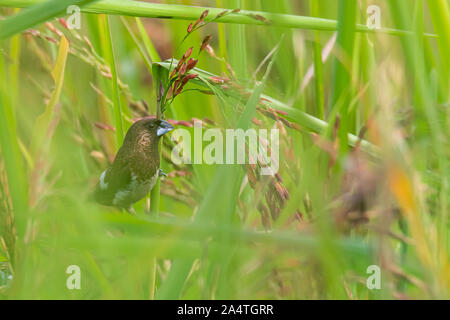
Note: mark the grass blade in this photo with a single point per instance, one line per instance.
(108, 51)
(42, 11)
(11, 154)
(342, 68)
(42, 125)
(181, 12)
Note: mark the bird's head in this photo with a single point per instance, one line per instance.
(154, 127)
(147, 130)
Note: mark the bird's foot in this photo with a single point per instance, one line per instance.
(162, 173)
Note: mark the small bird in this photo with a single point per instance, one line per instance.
(135, 169)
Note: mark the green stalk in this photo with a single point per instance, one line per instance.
(222, 38)
(158, 80)
(181, 12)
(237, 47)
(318, 74)
(342, 68)
(108, 52)
(11, 154)
(151, 51)
(155, 198)
(440, 16)
(368, 76)
(14, 53)
(141, 49)
(288, 80)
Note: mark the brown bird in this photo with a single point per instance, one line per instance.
(136, 166)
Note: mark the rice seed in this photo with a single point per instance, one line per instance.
(189, 28)
(222, 14)
(191, 64)
(205, 42)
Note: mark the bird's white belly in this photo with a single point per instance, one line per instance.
(135, 191)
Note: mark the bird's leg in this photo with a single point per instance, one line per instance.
(162, 173)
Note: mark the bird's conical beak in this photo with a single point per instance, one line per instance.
(163, 128)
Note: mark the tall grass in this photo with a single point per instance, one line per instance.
(363, 175)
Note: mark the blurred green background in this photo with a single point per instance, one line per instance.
(364, 153)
